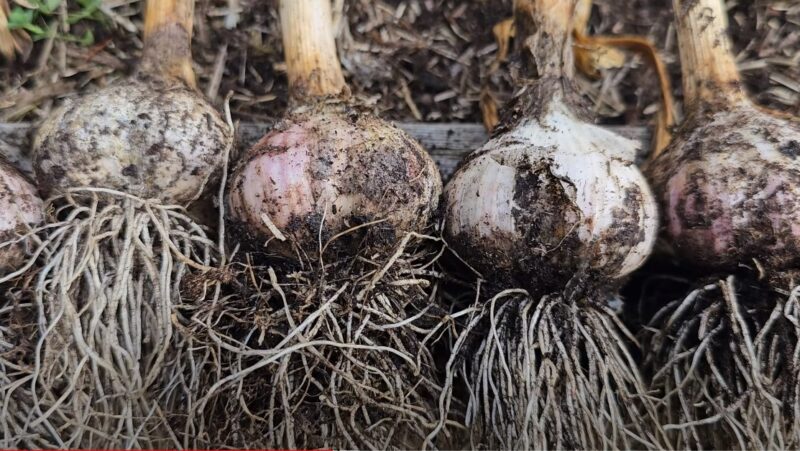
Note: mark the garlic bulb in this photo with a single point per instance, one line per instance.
(321, 172)
(550, 195)
(328, 168)
(153, 135)
(20, 208)
(730, 182)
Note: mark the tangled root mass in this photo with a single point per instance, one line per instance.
(549, 373)
(327, 355)
(101, 304)
(724, 361)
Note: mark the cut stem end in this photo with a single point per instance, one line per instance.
(168, 39)
(310, 48)
(709, 68)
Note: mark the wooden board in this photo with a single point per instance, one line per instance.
(447, 143)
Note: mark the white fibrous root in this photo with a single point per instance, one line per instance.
(550, 372)
(722, 359)
(299, 360)
(551, 197)
(105, 323)
(322, 172)
(20, 210)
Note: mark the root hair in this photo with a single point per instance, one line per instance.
(724, 361)
(329, 355)
(110, 274)
(549, 373)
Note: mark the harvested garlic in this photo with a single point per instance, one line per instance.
(152, 135)
(20, 208)
(550, 195)
(329, 167)
(729, 183)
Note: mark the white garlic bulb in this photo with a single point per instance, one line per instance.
(550, 197)
(149, 136)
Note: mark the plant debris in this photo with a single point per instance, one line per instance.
(411, 59)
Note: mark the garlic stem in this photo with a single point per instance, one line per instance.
(168, 39)
(544, 30)
(709, 69)
(310, 49)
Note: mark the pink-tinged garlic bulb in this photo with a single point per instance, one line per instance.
(153, 135)
(20, 209)
(729, 184)
(550, 195)
(327, 168)
(321, 169)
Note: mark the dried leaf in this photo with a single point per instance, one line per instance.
(503, 32)
(6, 38)
(488, 105)
(666, 118)
(593, 54)
(12, 42)
(592, 59)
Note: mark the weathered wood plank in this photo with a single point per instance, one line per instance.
(447, 143)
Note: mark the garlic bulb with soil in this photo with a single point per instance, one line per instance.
(152, 135)
(555, 213)
(120, 166)
(327, 169)
(722, 352)
(730, 182)
(551, 195)
(20, 209)
(328, 166)
(331, 209)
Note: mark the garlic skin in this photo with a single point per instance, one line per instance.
(729, 186)
(149, 136)
(551, 197)
(324, 170)
(20, 207)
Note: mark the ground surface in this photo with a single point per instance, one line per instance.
(414, 59)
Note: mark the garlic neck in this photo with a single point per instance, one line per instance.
(544, 28)
(312, 64)
(710, 74)
(168, 39)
